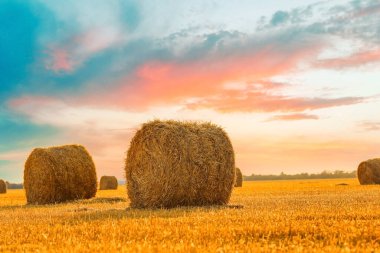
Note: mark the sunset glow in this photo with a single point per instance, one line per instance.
(296, 87)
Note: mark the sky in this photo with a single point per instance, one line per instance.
(295, 84)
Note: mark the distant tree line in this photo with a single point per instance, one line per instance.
(322, 175)
(14, 186)
(254, 177)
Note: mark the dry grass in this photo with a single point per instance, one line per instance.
(286, 215)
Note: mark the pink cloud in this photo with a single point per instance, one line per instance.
(370, 125)
(96, 40)
(69, 54)
(371, 10)
(203, 83)
(172, 82)
(259, 101)
(60, 61)
(351, 61)
(29, 102)
(293, 117)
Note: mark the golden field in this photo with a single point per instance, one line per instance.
(304, 215)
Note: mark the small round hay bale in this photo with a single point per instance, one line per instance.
(58, 174)
(239, 178)
(108, 183)
(171, 163)
(369, 171)
(3, 187)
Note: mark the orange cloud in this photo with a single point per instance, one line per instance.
(351, 61)
(370, 125)
(257, 101)
(206, 84)
(296, 116)
(174, 82)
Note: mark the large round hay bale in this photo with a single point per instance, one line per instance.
(171, 163)
(59, 174)
(369, 172)
(239, 178)
(108, 183)
(3, 187)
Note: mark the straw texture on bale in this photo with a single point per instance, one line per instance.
(3, 187)
(171, 163)
(369, 171)
(59, 174)
(108, 183)
(239, 178)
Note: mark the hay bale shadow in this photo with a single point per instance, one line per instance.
(55, 205)
(235, 206)
(16, 207)
(31, 205)
(189, 208)
(218, 207)
(101, 200)
(81, 209)
(142, 213)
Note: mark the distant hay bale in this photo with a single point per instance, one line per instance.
(3, 187)
(369, 171)
(58, 174)
(239, 178)
(108, 183)
(171, 163)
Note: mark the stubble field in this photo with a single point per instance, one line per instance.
(308, 215)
